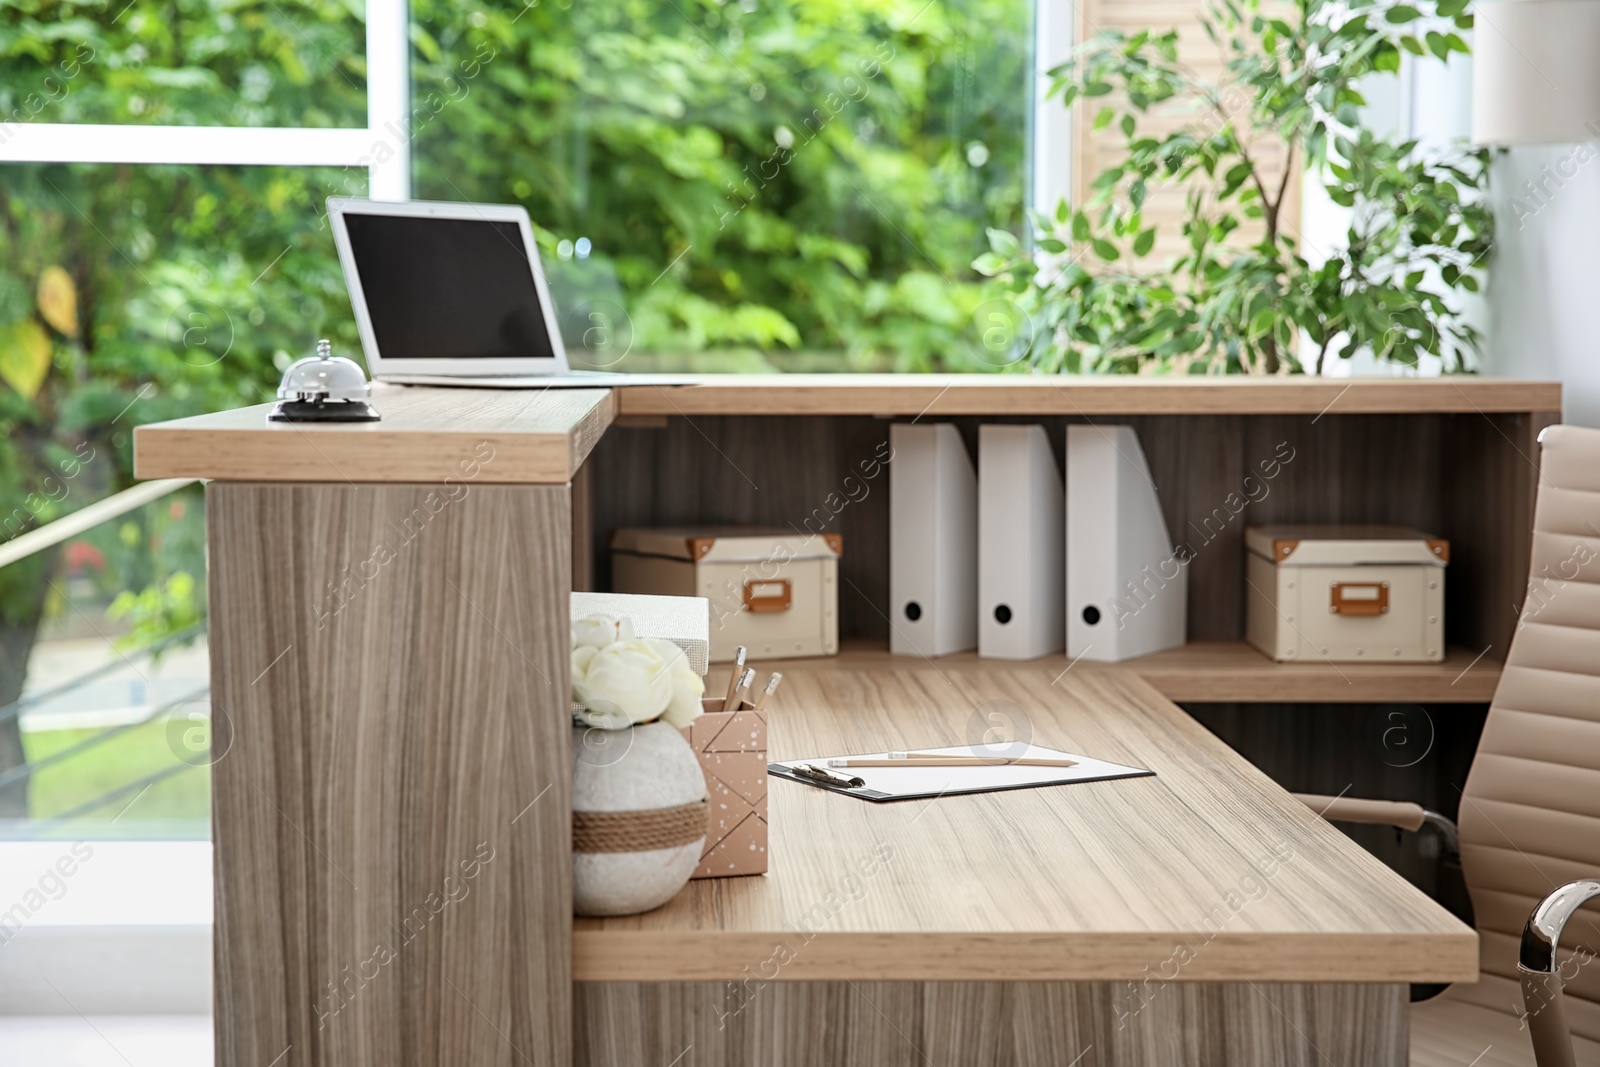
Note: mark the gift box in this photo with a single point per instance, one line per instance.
(732, 749)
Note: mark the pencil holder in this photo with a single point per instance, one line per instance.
(731, 745)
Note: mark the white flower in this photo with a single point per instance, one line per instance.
(687, 686)
(621, 680)
(598, 631)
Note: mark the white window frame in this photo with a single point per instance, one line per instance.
(1050, 124)
(388, 126)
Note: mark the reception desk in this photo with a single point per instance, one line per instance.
(391, 786)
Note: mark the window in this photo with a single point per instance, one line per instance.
(717, 184)
(162, 170)
(740, 184)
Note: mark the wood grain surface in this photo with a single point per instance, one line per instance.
(471, 436)
(1208, 672)
(989, 1024)
(392, 787)
(1208, 861)
(932, 395)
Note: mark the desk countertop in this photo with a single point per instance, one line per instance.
(425, 435)
(1206, 872)
(543, 435)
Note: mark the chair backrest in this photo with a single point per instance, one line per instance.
(1530, 811)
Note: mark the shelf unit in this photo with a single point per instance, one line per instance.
(1457, 457)
(1216, 672)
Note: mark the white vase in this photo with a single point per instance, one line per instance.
(637, 797)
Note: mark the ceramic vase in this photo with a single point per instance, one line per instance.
(639, 817)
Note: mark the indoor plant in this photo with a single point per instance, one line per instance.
(1419, 229)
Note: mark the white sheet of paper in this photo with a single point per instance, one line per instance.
(912, 782)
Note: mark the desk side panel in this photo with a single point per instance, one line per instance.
(1152, 1023)
(392, 810)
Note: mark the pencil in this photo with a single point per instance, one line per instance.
(952, 761)
(772, 687)
(733, 679)
(742, 693)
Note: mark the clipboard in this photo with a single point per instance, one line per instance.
(920, 783)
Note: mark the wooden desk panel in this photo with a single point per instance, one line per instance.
(1021, 394)
(1097, 882)
(392, 801)
(476, 436)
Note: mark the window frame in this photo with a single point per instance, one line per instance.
(388, 125)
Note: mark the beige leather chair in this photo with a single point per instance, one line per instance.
(1530, 811)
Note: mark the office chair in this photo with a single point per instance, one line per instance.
(1529, 834)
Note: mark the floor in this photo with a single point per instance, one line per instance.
(105, 1041)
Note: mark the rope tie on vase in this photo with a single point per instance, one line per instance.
(640, 831)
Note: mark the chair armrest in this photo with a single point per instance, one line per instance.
(1397, 813)
(1541, 975)
(1400, 814)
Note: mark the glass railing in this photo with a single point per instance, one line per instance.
(104, 671)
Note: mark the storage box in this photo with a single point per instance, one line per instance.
(683, 620)
(773, 591)
(732, 747)
(1345, 593)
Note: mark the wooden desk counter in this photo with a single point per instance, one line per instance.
(390, 666)
(1021, 394)
(1196, 918)
(524, 436)
(1093, 882)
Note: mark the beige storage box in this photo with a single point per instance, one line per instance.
(1349, 594)
(773, 591)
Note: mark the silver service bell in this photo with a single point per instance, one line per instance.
(323, 388)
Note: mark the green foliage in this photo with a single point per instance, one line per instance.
(1419, 229)
(811, 175)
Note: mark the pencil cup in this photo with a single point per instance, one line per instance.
(731, 745)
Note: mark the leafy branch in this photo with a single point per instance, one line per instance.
(1239, 289)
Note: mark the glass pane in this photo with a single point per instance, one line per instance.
(740, 185)
(184, 62)
(188, 291)
(114, 715)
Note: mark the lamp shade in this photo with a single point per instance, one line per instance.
(1536, 72)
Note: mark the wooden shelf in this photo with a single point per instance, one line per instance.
(1018, 394)
(1231, 672)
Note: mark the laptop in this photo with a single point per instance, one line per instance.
(454, 294)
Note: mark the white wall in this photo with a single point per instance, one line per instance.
(1544, 284)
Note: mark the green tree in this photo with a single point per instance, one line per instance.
(760, 176)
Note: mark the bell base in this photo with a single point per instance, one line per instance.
(323, 411)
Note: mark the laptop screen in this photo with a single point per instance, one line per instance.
(447, 288)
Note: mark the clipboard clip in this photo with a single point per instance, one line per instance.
(827, 777)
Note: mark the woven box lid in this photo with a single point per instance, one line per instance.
(683, 620)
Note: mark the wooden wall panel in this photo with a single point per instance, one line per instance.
(982, 1024)
(397, 775)
(806, 474)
